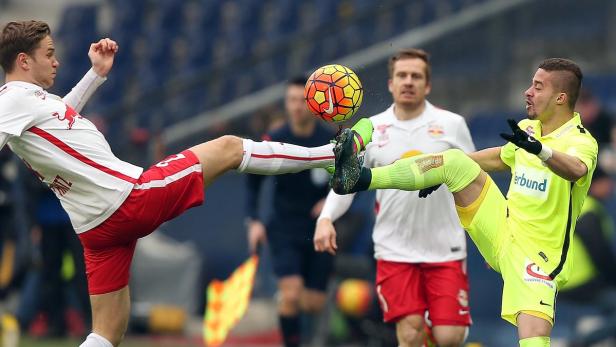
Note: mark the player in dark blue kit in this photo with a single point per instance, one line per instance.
(297, 201)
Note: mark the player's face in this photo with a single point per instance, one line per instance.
(295, 105)
(541, 96)
(409, 84)
(43, 63)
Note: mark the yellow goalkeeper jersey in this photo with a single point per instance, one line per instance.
(542, 206)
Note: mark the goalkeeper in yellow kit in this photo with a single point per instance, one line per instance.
(526, 237)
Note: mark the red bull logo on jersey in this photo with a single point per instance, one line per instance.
(531, 182)
(436, 131)
(69, 115)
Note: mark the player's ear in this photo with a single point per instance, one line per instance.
(428, 88)
(389, 85)
(22, 61)
(561, 99)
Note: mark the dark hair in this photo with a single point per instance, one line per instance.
(569, 78)
(409, 53)
(20, 37)
(297, 81)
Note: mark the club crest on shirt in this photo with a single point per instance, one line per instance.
(530, 130)
(40, 94)
(534, 274)
(435, 131)
(382, 137)
(69, 115)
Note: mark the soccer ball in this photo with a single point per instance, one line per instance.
(334, 93)
(354, 297)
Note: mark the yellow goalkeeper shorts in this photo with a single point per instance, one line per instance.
(526, 287)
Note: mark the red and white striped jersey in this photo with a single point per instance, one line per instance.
(66, 152)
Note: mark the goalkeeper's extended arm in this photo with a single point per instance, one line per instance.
(562, 164)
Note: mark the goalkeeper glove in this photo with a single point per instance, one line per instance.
(523, 140)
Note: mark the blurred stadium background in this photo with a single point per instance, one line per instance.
(189, 71)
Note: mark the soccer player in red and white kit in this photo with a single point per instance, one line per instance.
(420, 246)
(111, 203)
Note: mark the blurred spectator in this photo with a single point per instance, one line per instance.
(61, 263)
(593, 280)
(9, 332)
(607, 155)
(594, 117)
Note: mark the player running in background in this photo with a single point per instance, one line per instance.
(419, 245)
(526, 237)
(111, 203)
(297, 200)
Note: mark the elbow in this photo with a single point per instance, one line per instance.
(578, 172)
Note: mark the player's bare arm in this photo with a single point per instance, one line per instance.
(489, 159)
(566, 166)
(101, 55)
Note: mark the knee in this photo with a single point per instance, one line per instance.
(313, 303)
(289, 302)
(230, 147)
(410, 335)
(455, 155)
(450, 337)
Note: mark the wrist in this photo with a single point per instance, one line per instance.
(545, 153)
(99, 71)
(326, 219)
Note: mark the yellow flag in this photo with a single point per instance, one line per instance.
(227, 302)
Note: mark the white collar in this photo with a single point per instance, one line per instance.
(427, 110)
(23, 84)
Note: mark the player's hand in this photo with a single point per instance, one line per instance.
(101, 55)
(325, 237)
(256, 236)
(522, 139)
(423, 193)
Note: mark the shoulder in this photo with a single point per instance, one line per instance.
(15, 98)
(384, 117)
(446, 116)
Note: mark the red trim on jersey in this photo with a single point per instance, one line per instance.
(284, 156)
(82, 158)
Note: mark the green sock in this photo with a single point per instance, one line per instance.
(364, 129)
(452, 167)
(539, 341)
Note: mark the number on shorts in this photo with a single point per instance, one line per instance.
(166, 162)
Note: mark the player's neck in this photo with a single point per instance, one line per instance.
(555, 122)
(403, 112)
(302, 129)
(16, 77)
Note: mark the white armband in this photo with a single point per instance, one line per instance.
(546, 153)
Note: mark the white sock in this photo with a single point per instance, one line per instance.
(95, 340)
(271, 158)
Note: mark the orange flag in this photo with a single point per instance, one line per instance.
(227, 302)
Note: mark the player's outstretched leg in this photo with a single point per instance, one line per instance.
(269, 158)
(452, 167)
